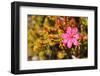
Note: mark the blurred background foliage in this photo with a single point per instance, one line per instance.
(44, 37)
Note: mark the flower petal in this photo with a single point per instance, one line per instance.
(75, 42)
(65, 41)
(69, 30)
(65, 36)
(74, 30)
(69, 44)
(77, 36)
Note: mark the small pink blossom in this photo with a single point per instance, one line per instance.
(71, 37)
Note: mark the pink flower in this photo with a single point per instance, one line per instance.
(71, 37)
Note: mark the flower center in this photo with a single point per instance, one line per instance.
(71, 36)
